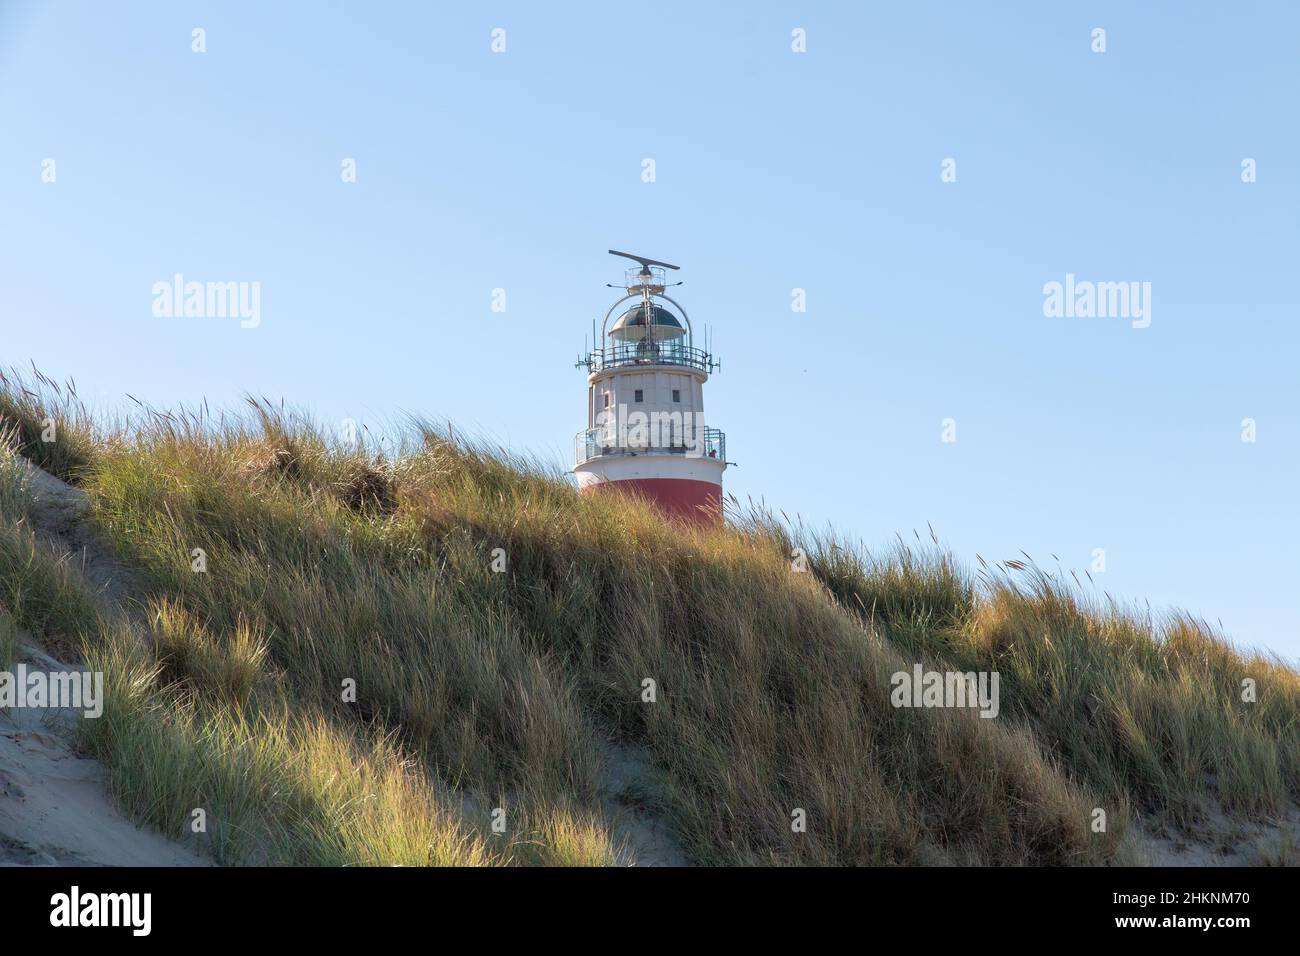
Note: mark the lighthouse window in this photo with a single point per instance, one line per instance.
(606, 394)
(639, 396)
(677, 395)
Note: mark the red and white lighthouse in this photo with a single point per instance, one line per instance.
(645, 405)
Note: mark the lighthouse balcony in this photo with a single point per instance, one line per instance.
(601, 442)
(643, 353)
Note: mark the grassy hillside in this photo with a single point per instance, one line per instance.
(499, 631)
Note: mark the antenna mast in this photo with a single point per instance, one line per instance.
(648, 282)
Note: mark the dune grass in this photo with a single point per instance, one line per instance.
(194, 730)
(47, 422)
(464, 630)
(1152, 708)
(10, 646)
(266, 785)
(498, 626)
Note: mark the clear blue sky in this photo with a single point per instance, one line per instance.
(775, 170)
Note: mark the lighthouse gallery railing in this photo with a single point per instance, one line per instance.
(599, 442)
(650, 353)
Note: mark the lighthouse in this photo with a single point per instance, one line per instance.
(645, 429)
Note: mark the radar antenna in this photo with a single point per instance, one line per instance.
(645, 263)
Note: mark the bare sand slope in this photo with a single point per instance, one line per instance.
(631, 793)
(60, 513)
(1222, 841)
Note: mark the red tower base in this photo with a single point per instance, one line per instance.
(695, 502)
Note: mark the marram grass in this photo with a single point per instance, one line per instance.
(496, 630)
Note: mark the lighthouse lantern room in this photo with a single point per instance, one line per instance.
(645, 404)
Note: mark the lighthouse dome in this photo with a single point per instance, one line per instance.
(631, 325)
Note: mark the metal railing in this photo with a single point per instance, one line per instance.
(601, 442)
(650, 353)
(634, 281)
